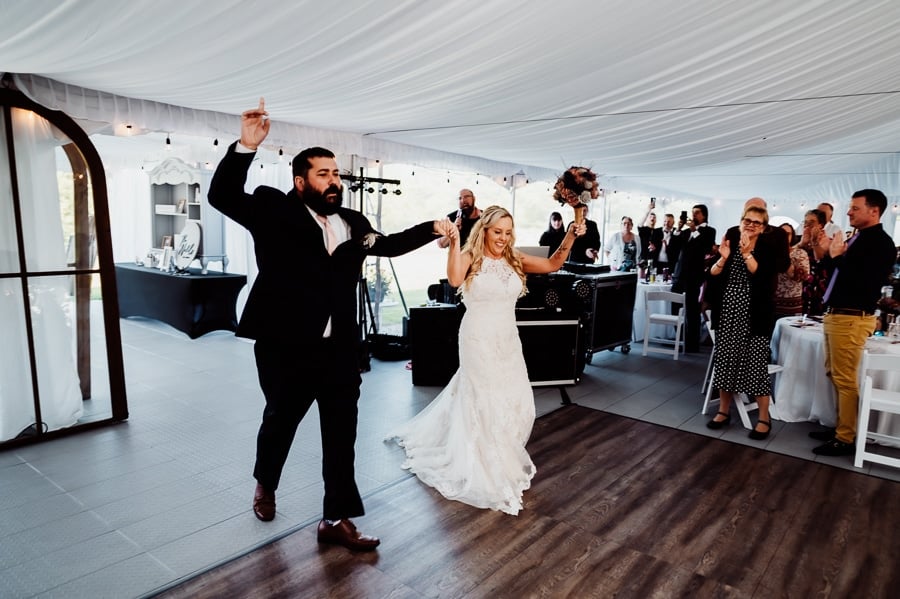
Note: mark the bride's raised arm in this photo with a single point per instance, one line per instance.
(538, 265)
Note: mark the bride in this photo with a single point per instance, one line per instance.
(469, 442)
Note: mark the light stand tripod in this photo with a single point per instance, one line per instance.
(363, 184)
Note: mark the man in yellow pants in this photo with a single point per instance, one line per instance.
(861, 266)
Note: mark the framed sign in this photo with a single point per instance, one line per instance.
(189, 246)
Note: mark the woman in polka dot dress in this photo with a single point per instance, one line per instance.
(743, 322)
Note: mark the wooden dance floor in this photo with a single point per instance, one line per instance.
(619, 507)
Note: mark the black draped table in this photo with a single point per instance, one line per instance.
(191, 302)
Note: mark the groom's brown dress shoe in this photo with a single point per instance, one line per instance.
(345, 533)
(264, 503)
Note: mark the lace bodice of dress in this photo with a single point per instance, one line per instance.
(496, 287)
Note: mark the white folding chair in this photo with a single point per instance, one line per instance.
(874, 399)
(743, 407)
(673, 299)
(707, 378)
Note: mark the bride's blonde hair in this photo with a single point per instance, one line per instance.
(475, 244)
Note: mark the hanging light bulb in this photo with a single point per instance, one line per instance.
(168, 143)
(280, 155)
(216, 145)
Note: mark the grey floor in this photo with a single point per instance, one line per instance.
(130, 509)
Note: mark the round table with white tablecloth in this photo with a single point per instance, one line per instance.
(639, 319)
(802, 391)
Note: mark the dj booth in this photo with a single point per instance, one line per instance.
(564, 318)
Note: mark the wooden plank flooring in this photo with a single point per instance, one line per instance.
(618, 508)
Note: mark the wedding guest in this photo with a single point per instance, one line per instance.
(696, 239)
(861, 266)
(775, 237)
(666, 247)
(743, 320)
(623, 249)
(464, 217)
(831, 228)
(554, 234)
(586, 248)
(789, 287)
(469, 442)
(650, 234)
(307, 337)
(816, 243)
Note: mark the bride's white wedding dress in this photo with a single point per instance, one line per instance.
(469, 442)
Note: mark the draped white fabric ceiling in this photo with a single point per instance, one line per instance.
(722, 99)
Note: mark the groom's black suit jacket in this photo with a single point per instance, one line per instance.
(299, 285)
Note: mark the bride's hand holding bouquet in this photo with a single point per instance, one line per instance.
(576, 187)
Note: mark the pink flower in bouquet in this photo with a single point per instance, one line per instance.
(576, 186)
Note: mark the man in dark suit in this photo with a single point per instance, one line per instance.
(696, 241)
(665, 245)
(586, 248)
(302, 313)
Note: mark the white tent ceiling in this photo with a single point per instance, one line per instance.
(723, 99)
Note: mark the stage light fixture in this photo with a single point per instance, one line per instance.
(370, 189)
(397, 192)
(384, 190)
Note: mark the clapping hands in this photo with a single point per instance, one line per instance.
(725, 249)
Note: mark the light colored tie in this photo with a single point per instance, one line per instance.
(331, 238)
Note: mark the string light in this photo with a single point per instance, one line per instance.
(216, 145)
(280, 155)
(168, 143)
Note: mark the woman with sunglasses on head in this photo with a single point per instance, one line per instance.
(743, 318)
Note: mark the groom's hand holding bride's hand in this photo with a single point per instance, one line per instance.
(445, 228)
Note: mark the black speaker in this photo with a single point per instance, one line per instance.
(433, 343)
(552, 350)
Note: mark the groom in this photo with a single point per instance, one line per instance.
(302, 313)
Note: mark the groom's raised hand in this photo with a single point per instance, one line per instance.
(254, 126)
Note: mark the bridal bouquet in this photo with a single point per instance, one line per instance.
(576, 187)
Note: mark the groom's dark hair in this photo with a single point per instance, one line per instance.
(300, 165)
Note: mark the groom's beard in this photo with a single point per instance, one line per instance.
(318, 201)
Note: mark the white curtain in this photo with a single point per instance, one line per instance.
(36, 146)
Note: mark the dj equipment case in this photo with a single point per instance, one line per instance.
(603, 300)
(610, 311)
(551, 344)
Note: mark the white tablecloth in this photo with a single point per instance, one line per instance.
(640, 313)
(802, 391)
